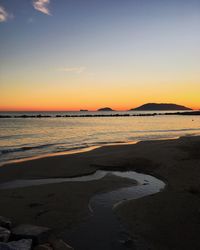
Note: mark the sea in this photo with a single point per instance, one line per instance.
(22, 138)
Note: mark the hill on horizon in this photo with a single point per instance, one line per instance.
(160, 106)
(105, 109)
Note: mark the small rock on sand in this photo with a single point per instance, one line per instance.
(38, 234)
(24, 244)
(4, 234)
(5, 222)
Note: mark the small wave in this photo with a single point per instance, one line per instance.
(25, 148)
(166, 131)
(62, 149)
(5, 137)
(107, 142)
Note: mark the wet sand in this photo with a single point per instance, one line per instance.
(167, 220)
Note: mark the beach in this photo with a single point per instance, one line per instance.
(99, 125)
(167, 220)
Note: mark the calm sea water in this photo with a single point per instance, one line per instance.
(22, 138)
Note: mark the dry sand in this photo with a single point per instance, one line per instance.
(167, 220)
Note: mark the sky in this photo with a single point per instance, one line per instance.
(88, 54)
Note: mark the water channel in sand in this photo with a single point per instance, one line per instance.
(102, 230)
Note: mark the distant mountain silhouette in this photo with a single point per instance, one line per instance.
(83, 110)
(160, 106)
(105, 109)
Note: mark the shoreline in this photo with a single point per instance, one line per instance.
(83, 150)
(161, 220)
(68, 152)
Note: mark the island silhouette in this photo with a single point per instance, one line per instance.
(105, 109)
(160, 106)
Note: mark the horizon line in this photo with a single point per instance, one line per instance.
(197, 109)
(4, 109)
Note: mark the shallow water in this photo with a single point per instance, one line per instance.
(27, 137)
(102, 230)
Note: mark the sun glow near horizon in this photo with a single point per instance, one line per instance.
(121, 98)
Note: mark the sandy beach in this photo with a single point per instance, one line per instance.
(167, 220)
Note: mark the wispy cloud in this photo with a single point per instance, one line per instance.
(76, 70)
(3, 15)
(42, 6)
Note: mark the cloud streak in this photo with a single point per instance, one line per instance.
(3, 15)
(42, 6)
(76, 70)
